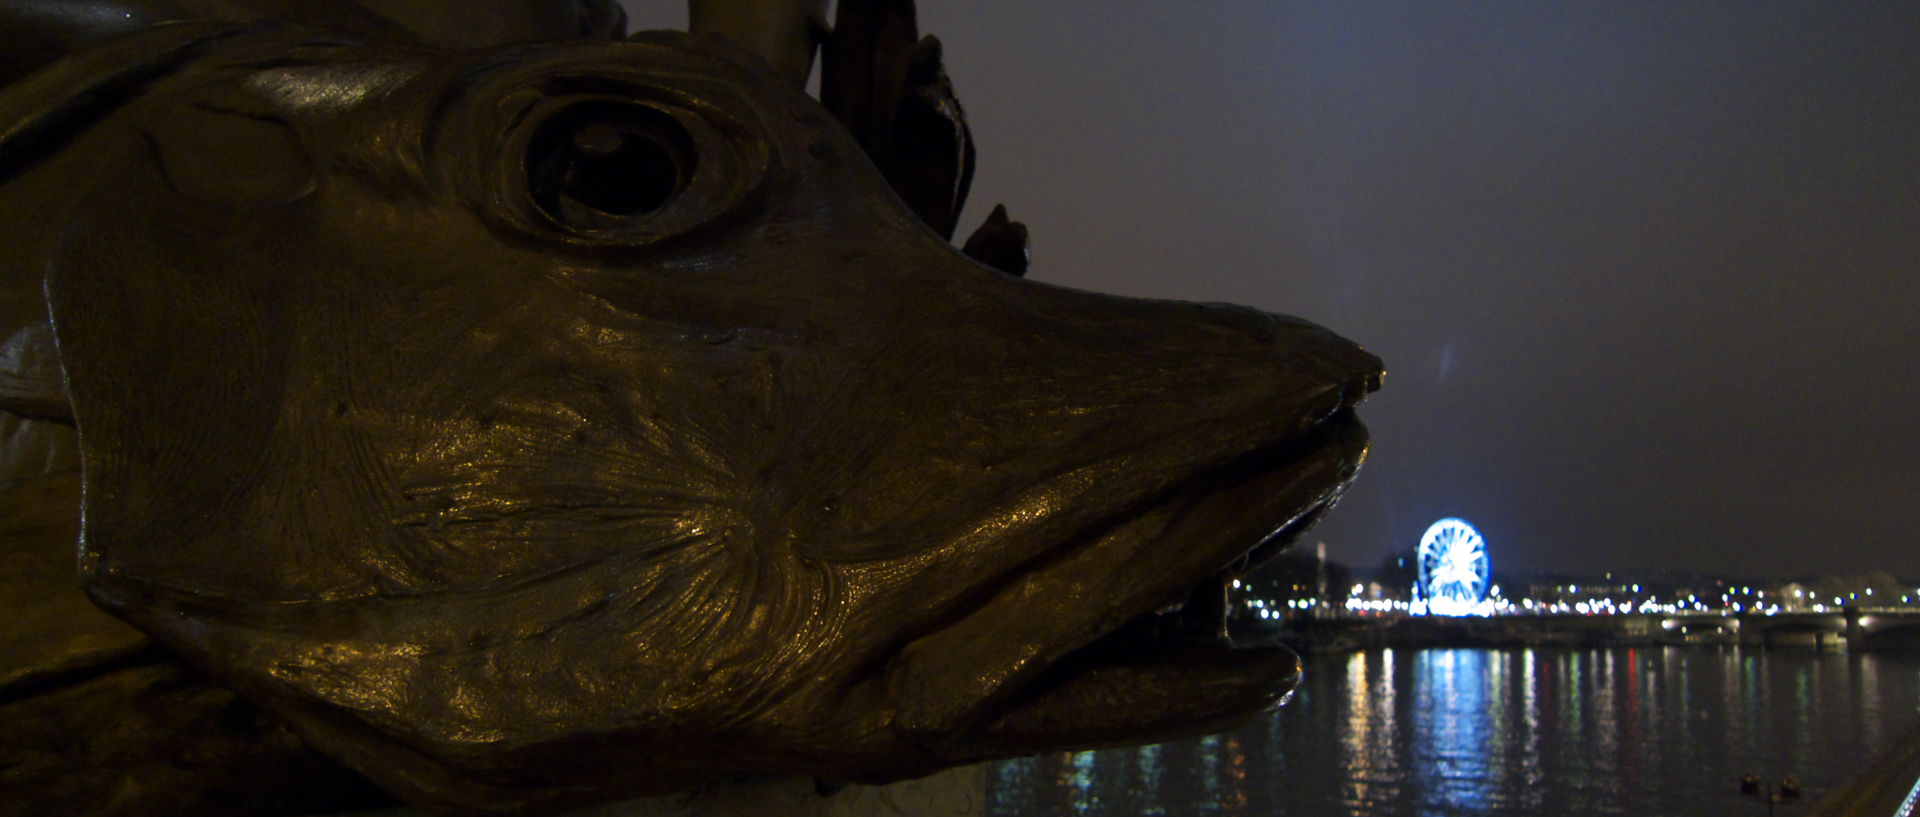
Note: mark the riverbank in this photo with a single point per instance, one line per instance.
(1889, 787)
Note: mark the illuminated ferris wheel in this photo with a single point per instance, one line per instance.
(1453, 568)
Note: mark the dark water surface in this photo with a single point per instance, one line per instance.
(1641, 731)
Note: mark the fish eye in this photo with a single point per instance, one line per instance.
(613, 162)
(602, 163)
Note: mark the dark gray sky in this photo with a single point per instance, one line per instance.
(1646, 275)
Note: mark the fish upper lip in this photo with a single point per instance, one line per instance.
(1281, 457)
(1275, 453)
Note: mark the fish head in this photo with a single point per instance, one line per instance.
(559, 422)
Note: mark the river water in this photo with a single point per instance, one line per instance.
(1383, 733)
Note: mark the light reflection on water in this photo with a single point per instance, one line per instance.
(1385, 733)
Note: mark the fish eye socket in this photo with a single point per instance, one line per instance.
(603, 162)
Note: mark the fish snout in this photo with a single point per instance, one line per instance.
(1157, 449)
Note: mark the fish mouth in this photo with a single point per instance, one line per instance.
(1120, 638)
(1169, 669)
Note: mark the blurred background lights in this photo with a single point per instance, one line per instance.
(1454, 572)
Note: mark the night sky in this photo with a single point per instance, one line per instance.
(1646, 275)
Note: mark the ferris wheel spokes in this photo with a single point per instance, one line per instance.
(1454, 572)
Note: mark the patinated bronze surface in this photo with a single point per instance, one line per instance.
(521, 415)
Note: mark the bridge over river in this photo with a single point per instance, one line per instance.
(1849, 628)
(1854, 628)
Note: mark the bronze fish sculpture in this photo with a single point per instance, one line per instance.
(524, 415)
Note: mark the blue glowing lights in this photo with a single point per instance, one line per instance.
(1453, 571)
